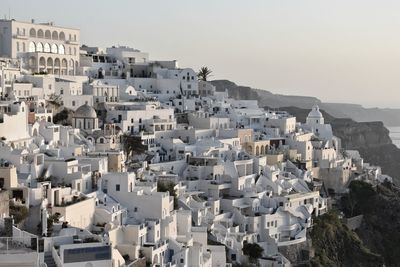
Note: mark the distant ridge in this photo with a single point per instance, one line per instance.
(390, 117)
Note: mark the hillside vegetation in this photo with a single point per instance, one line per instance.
(336, 245)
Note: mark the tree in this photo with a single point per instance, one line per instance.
(204, 73)
(61, 117)
(358, 200)
(170, 187)
(18, 212)
(133, 145)
(54, 100)
(253, 251)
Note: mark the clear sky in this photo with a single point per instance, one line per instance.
(339, 51)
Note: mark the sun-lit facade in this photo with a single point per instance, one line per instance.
(41, 47)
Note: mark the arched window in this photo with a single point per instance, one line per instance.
(74, 51)
(57, 63)
(32, 32)
(49, 62)
(54, 35)
(61, 49)
(39, 47)
(23, 47)
(62, 36)
(32, 47)
(42, 61)
(54, 48)
(40, 33)
(46, 48)
(47, 34)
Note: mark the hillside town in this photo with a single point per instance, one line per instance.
(111, 158)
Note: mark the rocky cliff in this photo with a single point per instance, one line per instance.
(264, 97)
(380, 206)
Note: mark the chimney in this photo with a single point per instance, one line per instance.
(32, 20)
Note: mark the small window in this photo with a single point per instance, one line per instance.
(117, 187)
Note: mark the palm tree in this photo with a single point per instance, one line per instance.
(204, 73)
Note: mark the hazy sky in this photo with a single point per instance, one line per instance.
(338, 51)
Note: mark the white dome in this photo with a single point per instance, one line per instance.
(85, 111)
(315, 113)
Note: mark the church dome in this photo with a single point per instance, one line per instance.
(85, 111)
(315, 113)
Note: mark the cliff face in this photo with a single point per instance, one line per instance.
(391, 117)
(372, 140)
(357, 135)
(264, 97)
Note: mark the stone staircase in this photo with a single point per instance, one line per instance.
(48, 259)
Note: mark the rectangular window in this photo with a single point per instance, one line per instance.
(117, 187)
